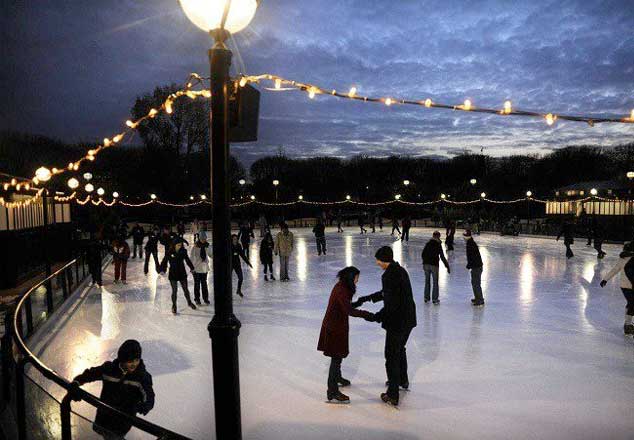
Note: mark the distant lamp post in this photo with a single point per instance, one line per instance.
(300, 197)
(483, 195)
(73, 183)
(87, 176)
(348, 197)
(529, 194)
(115, 195)
(252, 197)
(101, 192)
(276, 183)
(630, 175)
(443, 196)
(191, 197)
(406, 182)
(153, 196)
(89, 188)
(397, 197)
(242, 182)
(203, 197)
(594, 192)
(473, 181)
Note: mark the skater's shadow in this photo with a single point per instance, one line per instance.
(314, 431)
(164, 358)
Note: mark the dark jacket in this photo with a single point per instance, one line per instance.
(432, 253)
(474, 260)
(319, 230)
(406, 223)
(138, 234)
(399, 310)
(333, 338)
(244, 234)
(121, 251)
(94, 253)
(568, 231)
(152, 242)
(236, 253)
(266, 251)
(177, 260)
(130, 393)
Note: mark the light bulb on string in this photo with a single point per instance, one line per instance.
(508, 108)
(529, 193)
(483, 195)
(311, 93)
(550, 118)
(191, 197)
(428, 102)
(278, 83)
(89, 188)
(467, 104)
(352, 92)
(87, 176)
(443, 196)
(153, 196)
(73, 183)
(252, 197)
(388, 101)
(43, 174)
(115, 194)
(348, 197)
(243, 82)
(100, 191)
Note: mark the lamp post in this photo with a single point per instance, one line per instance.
(276, 183)
(529, 195)
(219, 18)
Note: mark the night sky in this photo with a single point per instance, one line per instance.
(72, 69)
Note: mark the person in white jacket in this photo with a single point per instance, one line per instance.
(626, 285)
(200, 256)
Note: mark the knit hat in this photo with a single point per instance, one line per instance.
(467, 233)
(129, 350)
(202, 235)
(385, 254)
(436, 234)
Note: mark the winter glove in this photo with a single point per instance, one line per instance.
(603, 283)
(73, 391)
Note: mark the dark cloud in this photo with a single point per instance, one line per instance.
(72, 70)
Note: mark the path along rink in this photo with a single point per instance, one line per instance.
(544, 359)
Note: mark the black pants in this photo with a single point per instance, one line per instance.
(95, 272)
(363, 230)
(140, 247)
(598, 246)
(405, 235)
(237, 268)
(396, 360)
(153, 253)
(339, 228)
(245, 246)
(629, 297)
(269, 267)
(569, 253)
(321, 245)
(395, 228)
(174, 284)
(200, 283)
(334, 374)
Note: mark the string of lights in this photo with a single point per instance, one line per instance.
(21, 203)
(282, 84)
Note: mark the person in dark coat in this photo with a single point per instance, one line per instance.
(450, 233)
(598, 237)
(244, 235)
(180, 229)
(474, 263)
(94, 256)
(177, 257)
(333, 337)
(431, 255)
(236, 254)
(361, 222)
(151, 250)
(120, 255)
(320, 236)
(380, 221)
(398, 318)
(339, 222)
(395, 225)
(568, 231)
(127, 386)
(407, 224)
(138, 235)
(266, 254)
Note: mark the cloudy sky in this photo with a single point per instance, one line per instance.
(72, 69)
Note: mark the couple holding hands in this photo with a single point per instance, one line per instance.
(397, 317)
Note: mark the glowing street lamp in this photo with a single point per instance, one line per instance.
(191, 197)
(443, 196)
(406, 182)
(89, 188)
(87, 176)
(300, 197)
(397, 197)
(115, 194)
(529, 194)
(43, 174)
(73, 183)
(101, 191)
(153, 196)
(252, 197)
(348, 197)
(242, 182)
(630, 175)
(594, 191)
(276, 183)
(203, 197)
(473, 181)
(483, 195)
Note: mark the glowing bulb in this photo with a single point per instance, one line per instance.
(311, 93)
(117, 138)
(507, 107)
(75, 167)
(252, 197)
(27, 186)
(207, 14)
(191, 197)
(406, 182)
(5, 186)
(278, 83)
(91, 158)
(115, 194)
(352, 92)
(101, 191)
(276, 182)
(397, 197)
(473, 181)
(87, 176)
(529, 193)
(106, 142)
(153, 196)
(632, 115)
(152, 112)
(388, 101)
(348, 197)
(242, 181)
(70, 166)
(73, 183)
(594, 191)
(206, 93)
(130, 124)
(203, 196)
(550, 119)
(629, 175)
(168, 106)
(483, 195)
(43, 174)
(243, 81)
(443, 196)
(13, 182)
(300, 197)
(467, 104)
(428, 103)
(89, 187)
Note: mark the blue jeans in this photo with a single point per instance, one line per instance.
(430, 271)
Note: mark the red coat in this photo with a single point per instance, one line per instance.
(333, 339)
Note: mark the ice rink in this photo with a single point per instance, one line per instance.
(544, 359)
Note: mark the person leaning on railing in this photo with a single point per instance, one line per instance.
(127, 386)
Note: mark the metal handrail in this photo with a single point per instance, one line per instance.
(84, 395)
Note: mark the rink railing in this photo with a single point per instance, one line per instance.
(34, 308)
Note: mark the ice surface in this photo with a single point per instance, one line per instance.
(545, 358)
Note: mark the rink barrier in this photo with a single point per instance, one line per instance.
(44, 301)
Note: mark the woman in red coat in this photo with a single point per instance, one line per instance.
(333, 339)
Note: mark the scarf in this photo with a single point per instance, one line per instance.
(203, 253)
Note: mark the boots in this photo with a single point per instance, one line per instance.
(337, 396)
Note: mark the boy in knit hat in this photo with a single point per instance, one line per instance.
(474, 263)
(127, 386)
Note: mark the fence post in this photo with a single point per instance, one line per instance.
(20, 401)
(65, 417)
(64, 284)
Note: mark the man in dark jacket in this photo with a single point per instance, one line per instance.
(407, 224)
(398, 318)
(474, 263)
(127, 386)
(138, 235)
(151, 250)
(320, 236)
(432, 254)
(568, 231)
(94, 257)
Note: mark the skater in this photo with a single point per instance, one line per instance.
(568, 231)
(373, 222)
(177, 257)
(151, 249)
(333, 338)
(200, 255)
(339, 222)
(266, 255)
(93, 255)
(380, 222)
(237, 252)
(361, 223)
(166, 238)
(398, 318)
(284, 243)
(320, 236)
(625, 260)
(180, 229)
(120, 255)
(395, 225)
(597, 235)
(432, 253)
(407, 224)
(244, 235)
(474, 263)
(195, 227)
(263, 225)
(138, 235)
(450, 233)
(127, 386)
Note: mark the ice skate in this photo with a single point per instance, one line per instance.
(207, 302)
(343, 382)
(191, 305)
(437, 302)
(197, 301)
(239, 293)
(389, 400)
(266, 278)
(174, 309)
(426, 301)
(478, 303)
(272, 277)
(337, 397)
(403, 386)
